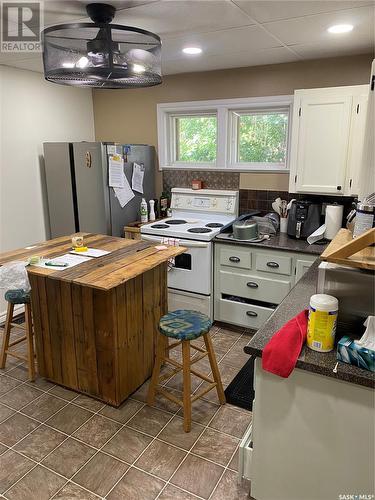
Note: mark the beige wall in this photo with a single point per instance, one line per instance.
(130, 115)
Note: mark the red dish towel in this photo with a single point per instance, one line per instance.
(281, 353)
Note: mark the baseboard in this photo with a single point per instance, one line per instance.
(18, 309)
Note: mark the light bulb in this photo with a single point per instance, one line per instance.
(83, 62)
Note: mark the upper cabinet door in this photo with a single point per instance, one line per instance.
(321, 152)
(357, 135)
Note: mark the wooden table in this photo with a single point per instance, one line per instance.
(95, 323)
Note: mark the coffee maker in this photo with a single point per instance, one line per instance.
(303, 219)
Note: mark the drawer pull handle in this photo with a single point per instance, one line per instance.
(252, 314)
(234, 259)
(274, 265)
(252, 284)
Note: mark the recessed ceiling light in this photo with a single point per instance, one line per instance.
(340, 28)
(192, 50)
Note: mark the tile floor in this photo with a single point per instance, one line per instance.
(55, 443)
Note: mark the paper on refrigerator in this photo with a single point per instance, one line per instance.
(124, 194)
(137, 178)
(116, 171)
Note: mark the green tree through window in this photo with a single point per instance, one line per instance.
(262, 138)
(196, 139)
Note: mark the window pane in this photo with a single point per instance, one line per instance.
(262, 138)
(196, 138)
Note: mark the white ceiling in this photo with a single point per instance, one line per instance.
(232, 33)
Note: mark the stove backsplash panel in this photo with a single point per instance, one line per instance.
(211, 180)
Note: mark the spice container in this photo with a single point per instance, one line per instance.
(196, 184)
(364, 219)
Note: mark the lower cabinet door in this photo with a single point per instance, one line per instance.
(247, 315)
(301, 267)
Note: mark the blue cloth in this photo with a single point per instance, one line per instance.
(17, 296)
(184, 325)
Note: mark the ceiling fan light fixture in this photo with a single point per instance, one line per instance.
(101, 54)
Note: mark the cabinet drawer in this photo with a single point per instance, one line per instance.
(247, 315)
(254, 287)
(271, 263)
(235, 257)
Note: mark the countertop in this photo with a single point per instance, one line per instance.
(126, 260)
(321, 363)
(280, 241)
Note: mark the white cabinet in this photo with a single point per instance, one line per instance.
(327, 139)
(302, 266)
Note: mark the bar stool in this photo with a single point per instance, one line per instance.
(14, 297)
(184, 326)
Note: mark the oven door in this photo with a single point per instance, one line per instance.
(192, 270)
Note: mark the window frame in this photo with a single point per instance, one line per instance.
(173, 139)
(233, 139)
(223, 108)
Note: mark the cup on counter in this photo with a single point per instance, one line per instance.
(283, 224)
(77, 241)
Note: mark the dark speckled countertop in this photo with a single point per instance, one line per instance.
(280, 241)
(317, 362)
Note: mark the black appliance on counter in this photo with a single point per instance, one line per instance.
(304, 219)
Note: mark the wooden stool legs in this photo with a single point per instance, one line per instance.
(28, 337)
(214, 367)
(187, 369)
(186, 384)
(6, 333)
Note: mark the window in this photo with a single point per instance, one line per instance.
(260, 137)
(195, 138)
(231, 134)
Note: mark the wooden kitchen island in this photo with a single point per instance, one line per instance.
(95, 323)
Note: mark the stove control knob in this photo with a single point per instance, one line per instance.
(189, 202)
(214, 202)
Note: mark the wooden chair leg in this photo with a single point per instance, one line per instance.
(30, 342)
(159, 358)
(214, 368)
(7, 328)
(186, 384)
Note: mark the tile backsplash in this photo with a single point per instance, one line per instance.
(249, 198)
(211, 180)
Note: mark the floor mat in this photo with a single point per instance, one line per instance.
(240, 392)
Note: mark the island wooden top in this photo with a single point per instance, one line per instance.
(126, 260)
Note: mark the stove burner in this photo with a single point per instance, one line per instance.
(160, 226)
(214, 224)
(176, 221)
(199, 230)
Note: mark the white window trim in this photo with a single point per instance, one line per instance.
(222, 108)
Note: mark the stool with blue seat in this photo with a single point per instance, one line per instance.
(184, 326)
(14, 297)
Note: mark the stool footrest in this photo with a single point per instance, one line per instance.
(202, 376)
(197, 348)
(169, 396)
(18, 356)
(203, 392)
(17, 341)
(198, 358)
(174, 344)
(16, 325)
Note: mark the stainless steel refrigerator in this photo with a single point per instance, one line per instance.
(79, 197)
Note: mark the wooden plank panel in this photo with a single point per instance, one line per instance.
(45, 331)
(149, 332)
(54, 318)
(68, 351)
(139, 265)
(37, 324)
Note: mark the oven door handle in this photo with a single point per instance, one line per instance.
(183, 243)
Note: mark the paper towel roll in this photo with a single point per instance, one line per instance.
(333, 220)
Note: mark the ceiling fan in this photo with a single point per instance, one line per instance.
(101, 54)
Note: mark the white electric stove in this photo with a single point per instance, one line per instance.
(197, 217)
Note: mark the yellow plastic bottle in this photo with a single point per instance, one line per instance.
(321, 327)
